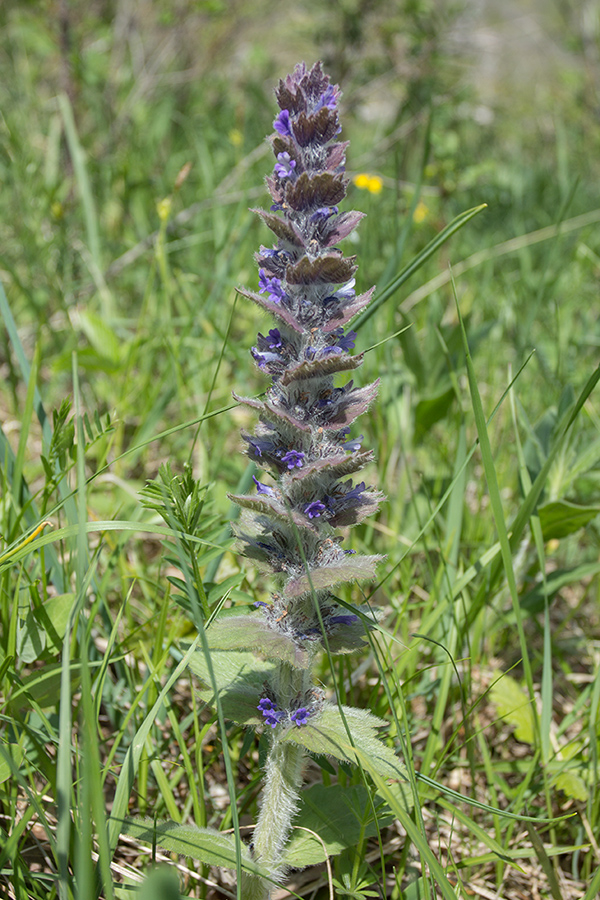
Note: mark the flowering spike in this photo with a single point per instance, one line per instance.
(303, 434)
(303, 439)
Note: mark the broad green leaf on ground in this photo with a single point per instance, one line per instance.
(533, 601)
(561, 517)
(240, 681)
(572, 785)
(13, 752)
(337, 815)
(514, 706)
(43, 685)
(48, 621)
(205, 844)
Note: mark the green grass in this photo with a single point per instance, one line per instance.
(123, 340)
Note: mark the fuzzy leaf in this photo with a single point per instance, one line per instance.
(339, 227)
(270, 506)
(347, 569)
(348, 639)
(280, 227)
(322, 270)
(311, 192)
(205, 844)
(368, 505)
(317, 128)
(320, 368)
(351, 309)
(269, 413)
(251, 630)
(337, 815)
(349, 407)
(240, 681)
(336, 156)
(274, 415)
(276, 309)
(333, 466)
(326, 734)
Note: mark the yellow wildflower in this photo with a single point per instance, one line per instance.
(366, 182)
(236, 137)
(163, 208)
(375, 184)
(421, 212)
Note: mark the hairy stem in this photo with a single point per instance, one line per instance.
(283, 779)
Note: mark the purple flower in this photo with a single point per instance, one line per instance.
(355, 493)
(262, 359)
(345, 496)
(264, 353)
(284, 167)
(313, 510)
(263, 488)
(342, 620)
(273, 339)
(324, 213)
(330, 397)
(343, 342)
(293, 459)
(260, 445)
(282, 124)
(269, 285)
(270, 253)
(266, 704)
(269, 710)
(353, 445)
(328, 98)
(347, 290)
(300, 716)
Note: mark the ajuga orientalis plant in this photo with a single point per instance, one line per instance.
(305, 444)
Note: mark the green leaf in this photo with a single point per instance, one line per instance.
(101, 336)
(15, 753)
(251, 630)
(205, 844)
(240, 681)
(431, 409)
(43, 686)
(337, 814)
(514, 706)
(327, 733)
(572, 785)
(561, 517)
(161, 884)
(31, 638)
(533, 601)
(46, 624)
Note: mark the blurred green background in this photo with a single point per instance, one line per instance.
(132, 143)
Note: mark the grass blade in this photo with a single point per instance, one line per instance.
(432, 247)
